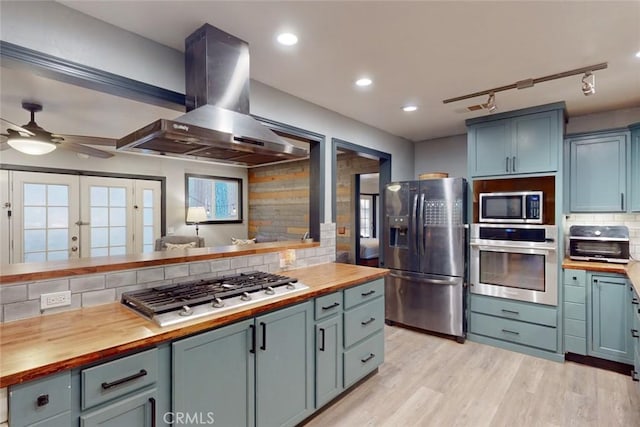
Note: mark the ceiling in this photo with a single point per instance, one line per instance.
(415, 52)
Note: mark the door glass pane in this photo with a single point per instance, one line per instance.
(514, 270)
(57, 255)
(117, 196)
(117, 217)
(117, 250)
(35, 257)
(108, 220)
(58, 217)
(57, 239)
(147, 216)
(57, 195)
(35, 217)
(99, 217)
(99, 196)
(148, 235)
(35, 240)
(99, 251)
(35, 194)
(99, 237)
(117, 236)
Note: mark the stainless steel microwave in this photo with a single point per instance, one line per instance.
(517, 207)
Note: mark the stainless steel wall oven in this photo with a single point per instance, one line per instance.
(515, 261)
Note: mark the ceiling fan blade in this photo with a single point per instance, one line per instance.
(15, 127)
(90, 140)
(79, 148)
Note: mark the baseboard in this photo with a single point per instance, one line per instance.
(596, 362)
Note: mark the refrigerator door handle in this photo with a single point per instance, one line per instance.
(421, 248)
(426, 278)
(414, 222)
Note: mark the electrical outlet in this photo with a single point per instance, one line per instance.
(55, 299)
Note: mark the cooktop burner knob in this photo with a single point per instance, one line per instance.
(186, 311)
(269, 290)
(217, 303)
(245, 296)
(291, 286)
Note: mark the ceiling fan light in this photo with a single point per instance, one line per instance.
(31, 146)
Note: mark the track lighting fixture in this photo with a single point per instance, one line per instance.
(588, 84)
(491, 103)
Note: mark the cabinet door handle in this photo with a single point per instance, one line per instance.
(513, 164)
(634, 375)
(369, 357)
(507, 165)
(621, 201)
(504, 310)
(635, 301)
(366, 322)
(152, 401)
(264, 336)
(634, 333)
(253, 339)
(366, 294)
(506, 331)
(42, 400)
(107, 386)
(322, 339)
(329, 307)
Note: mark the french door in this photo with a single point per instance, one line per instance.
(59, 216)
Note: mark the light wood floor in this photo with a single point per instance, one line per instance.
(432, 381)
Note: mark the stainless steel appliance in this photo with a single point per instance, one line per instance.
(171, 304)
(599, 243)
(515, 261)
(521, 207)
(425, 246)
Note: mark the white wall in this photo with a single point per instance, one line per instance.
(606, 120)
(448, 154)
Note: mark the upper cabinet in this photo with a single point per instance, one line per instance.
(634, 183)
(519, 142)
(598, 171)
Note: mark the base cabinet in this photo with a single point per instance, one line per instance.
(44, 402)
(328, 359)
(137, 410)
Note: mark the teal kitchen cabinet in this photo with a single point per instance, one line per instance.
(611, 319)
(255, 372)
(635, 167)
(214, 375)
(520, 142)
(43, 402)
(598, 172)
(329, 349)
(575, 311)
(136, 410)
(634, 305)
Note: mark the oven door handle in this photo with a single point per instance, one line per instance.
(507, 248)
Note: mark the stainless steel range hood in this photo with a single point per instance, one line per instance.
(218, 126)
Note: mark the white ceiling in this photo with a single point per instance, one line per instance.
(420, 52)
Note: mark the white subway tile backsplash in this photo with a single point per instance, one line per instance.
(196, 268)
(38, 288)
(129, 288)
(98, 297)
(150, 275)
(254, 261)
(221, 265)
(21, 310)
(87, 283)
(271, 258)
(239, 262)
(9, 294)
(121, 278)
(173, 271)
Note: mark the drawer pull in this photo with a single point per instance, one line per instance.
(329, 307)
(506, 331)
(107, 386)
(504, 310)
(634, 375)
(369, 357)
(634, 333)
(42, 400)
(366, 294)
(152, 401)
(366, 322)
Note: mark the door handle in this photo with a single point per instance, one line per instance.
(513, 164)
(152, 401)
(264, 336)
(253, 339)
(621, 201)
(74, 249)
(322, 340)
(507, 164)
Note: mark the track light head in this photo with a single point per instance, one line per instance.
(588, 83)
(491, 103)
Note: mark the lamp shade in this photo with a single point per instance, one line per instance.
(29, 145)
(197, 214)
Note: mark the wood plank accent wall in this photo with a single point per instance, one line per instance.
(279, 201)
(348, 165)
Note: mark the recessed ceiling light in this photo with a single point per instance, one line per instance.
(287, 39)
(409, 108)
(364, 81)
(638, 54)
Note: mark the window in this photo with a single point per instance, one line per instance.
(220, 197)
(366, 216)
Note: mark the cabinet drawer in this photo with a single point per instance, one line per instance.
(362, 293)
(576, 328)
(539, 336)
(575, 345)
(363, 358)
(328, 305)
(575, 277)
(540, 314)
(362, 321)
(116, 378)
(575, 294)
(38, 400)
(575, 311)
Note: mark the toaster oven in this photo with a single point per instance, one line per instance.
(599, 243)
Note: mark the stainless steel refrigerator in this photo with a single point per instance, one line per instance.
(425, 248)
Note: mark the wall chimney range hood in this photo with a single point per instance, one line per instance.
(217, 125)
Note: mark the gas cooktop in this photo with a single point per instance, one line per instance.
(171, 304)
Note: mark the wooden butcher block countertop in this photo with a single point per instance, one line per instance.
(40, 346)
(632, 270)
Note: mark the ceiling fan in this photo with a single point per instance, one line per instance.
(32, 139)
